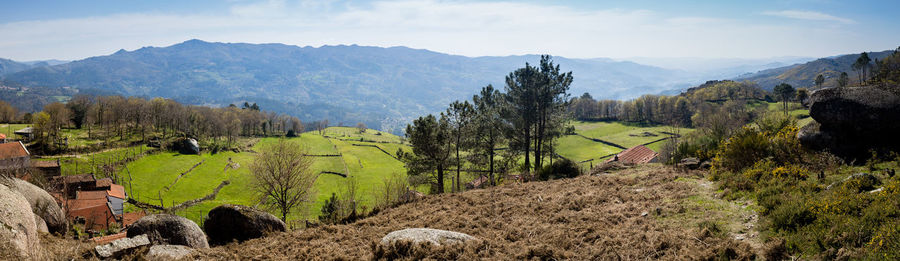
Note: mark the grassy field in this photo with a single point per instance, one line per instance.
(151, 175)
(352, 133)
(580, 149)
(8, 129)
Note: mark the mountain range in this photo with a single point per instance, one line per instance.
(804, 75)
(384, 88)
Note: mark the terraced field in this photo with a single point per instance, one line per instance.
(152, 176)
(599, 140)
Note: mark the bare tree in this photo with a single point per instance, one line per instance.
(282, 177)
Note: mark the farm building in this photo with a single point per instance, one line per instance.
(2, 138)
(13, 156)
(48, 168)
(26, 133)
(636, 155)
(95, 203)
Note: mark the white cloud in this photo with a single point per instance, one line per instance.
(465, 28)
(809, 15)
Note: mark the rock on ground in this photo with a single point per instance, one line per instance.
(18, 232)
(121, 246)
(41, 204)
(168, 229)
(853, 120)
(41, 225)
(168, 252)
(227, 223)
(421, 235)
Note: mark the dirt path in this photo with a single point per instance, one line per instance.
(649, 212)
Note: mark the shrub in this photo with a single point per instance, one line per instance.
(291, 134)
(791, 215)
(562, 168)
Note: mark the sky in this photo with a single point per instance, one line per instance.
(73, 30)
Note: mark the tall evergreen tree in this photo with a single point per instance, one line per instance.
(843, 80)
(459, 115)
(819, 81)
(429, 138)
(861, 65)
(488, 126)
(552, 95)
(786, 92)
(520, 109)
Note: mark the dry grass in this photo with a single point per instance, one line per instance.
(589, 217)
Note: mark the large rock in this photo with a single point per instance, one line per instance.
(121, 246)
(168, 229)
(227, 223)
(18, 232)
(852, 121)
(426, 235)
(168, 252)
(41, 204)
(191, 146)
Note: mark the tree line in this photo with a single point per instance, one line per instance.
(522, 121)
(681, 110)
(107, 117)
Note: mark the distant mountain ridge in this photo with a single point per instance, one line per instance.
(382, 87)
(8, 66)
(804, 75)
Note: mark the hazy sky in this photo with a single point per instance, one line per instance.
(34, 30)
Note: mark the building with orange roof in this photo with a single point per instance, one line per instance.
(93, 214)
(14, 155)
(636, 155)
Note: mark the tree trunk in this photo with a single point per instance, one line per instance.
(458, 162)
(440, 178)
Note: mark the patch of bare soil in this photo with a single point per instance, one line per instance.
(636, 213)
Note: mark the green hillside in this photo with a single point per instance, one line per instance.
(581, 148)
(152, 176)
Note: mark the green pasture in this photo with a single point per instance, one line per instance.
(9, 129)
(152, 174)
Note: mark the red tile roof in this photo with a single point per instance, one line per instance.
(2, 136)
(45, 163)
(636, 155)
(78, 204)
(116, 191)
(13, 150)
(96, 194)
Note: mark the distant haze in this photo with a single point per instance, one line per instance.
(72, 30)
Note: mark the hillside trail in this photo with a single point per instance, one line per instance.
(643, 212)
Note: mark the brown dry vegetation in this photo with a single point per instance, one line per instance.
(588, 217)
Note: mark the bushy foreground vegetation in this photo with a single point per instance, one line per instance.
(817, 206)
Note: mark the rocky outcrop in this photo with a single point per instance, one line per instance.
(41, 204)
(121, 246)
(426, 235)
(168, 229)
(851, 121)
(228, 223)
(168, 252)
(18, 232)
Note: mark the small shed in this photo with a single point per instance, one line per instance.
(636, 155)
(27, 133)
